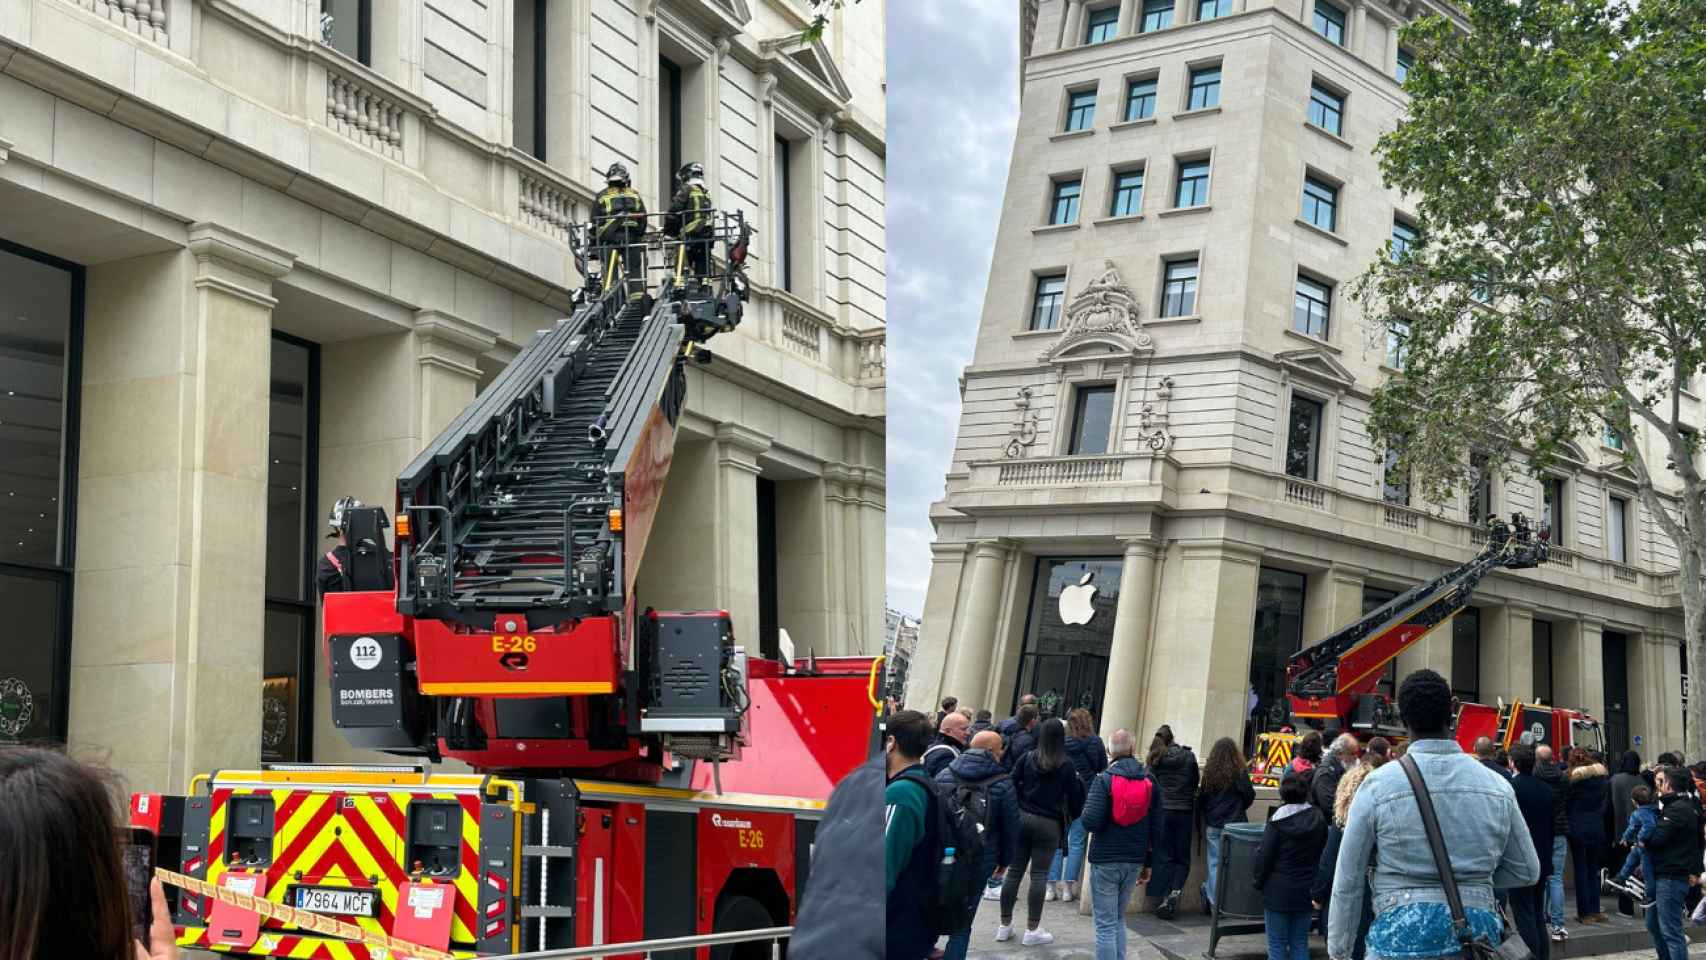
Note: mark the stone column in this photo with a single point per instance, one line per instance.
(1507, 653)
(1200, 662)
(448, 350)
(172, 475)
(1128, 660)
(1128, 18)
(925, 681)
(1651, 688)
(1392, 47)
(974, 638)
(1073, 34)
(738, 449)
(841, 538)
(1432, 652)
(1358, 45)
(1334, 598)
(1578, 678)
(864, 529)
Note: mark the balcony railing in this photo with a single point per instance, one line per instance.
(802, 333)
(1305, 493)
(1060, 471)
(361, 113)
(1561, 557)
(145, 18)
(1402, 517)
(547, 207)
(1624, 573)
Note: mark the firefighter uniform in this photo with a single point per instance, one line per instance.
(689, 219)
(620, 224)
(336, 570)
(332, 573)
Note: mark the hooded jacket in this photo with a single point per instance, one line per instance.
(1552, 774)
(1587, 801)
(1176, 774)
(936, 760)
(1286, 860)
(1116, 843)
(1088, 756)
(1623, 783)
(1675, 841)
(1001, 830)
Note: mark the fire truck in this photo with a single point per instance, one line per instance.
(622, 773)
(1332, 686)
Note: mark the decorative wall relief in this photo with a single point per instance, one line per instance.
(1025, 426)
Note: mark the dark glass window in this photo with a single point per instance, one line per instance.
(1466, 655)
(1210, 9)
(1193, 184)
(1179, 288)
(1403, 239)
(1045, 305)
(1613, 439)
(1397, 343)
(1069, 633)
(287, 678)
(1205, 88)
(1617, 530)
(349, 29)
(1320, 203)
(1326, 109)
(1278, 633)
(1092, 420)
(1406, 63)
(1128, 193)
(1064, 208)
(1312, 310)
(784, 204)
(1329, 22)
(528, 87)
(1303, 438)
(1542, 661)
(1102, 24)
(1080, 109)
(1394, 482)
(1157, 15)
(1140, 99)
(1480, 489)
(1552, 514)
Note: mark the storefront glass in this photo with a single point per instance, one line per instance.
(293, 545)
(1278, 635)
(1069, 633)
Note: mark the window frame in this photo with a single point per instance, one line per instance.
(1335, 110)
(1162, 12)
(1210, 89)
(1342, 23)
(1403, 63)
(1328, 288)
(1317, 181)
(1483, 475)
(1611, 439)
(1180, 166)
(1091, 24)
(1037, 281)
(1153, 79)
(1055, 198)
(1080, 393)
(1116, 189)
(1557, 517)
(1618, 503)
(307, 609)
(1317, 438)
(1397, 343)
(1397, 251)
(1167, 280)
(1395, 494)
(1198, 6)
(363, 32)
(1072, 108)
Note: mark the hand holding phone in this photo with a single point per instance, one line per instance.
(159, 933)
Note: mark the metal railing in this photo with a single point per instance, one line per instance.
(647, 948)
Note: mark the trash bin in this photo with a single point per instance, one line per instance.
(1237, 902)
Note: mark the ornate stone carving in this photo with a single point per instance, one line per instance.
(1105, 310)
(1152, 429)
(1024, 427)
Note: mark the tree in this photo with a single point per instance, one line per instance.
(820, 19)
(1556, 153)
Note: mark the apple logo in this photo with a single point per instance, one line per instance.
(1075, 600)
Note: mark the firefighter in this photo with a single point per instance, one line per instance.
(620, 224)
(336, 568)
(689, 218)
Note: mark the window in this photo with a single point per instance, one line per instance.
(1140, 99)
(1466, 655)
(1312, 308)
(1552, 508)
(1211, 9)
(1092, 420)
(1064, 208)
(347, 27)
(288, 636)
(1102, 24)
(1067, 664)
(1617, 530)
(1403, 239)
(1205, 88)
(1406, 63)
(1193, 184)
(784, 204)
(1613, 439)
(1480, 489)
(1277, 634)
(1397, 342)
(1329, 22)
(1128, 193)
(1080, 109)
(1320, 203)
(1394, 481)
(1542, 661)
(529, 79)
(1179, 288)
(1045, 304)
(1303, 438)
(1157, 15)
(669, 119)
(1326, 109)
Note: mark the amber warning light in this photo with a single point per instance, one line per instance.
(402, 526)
(616, 521)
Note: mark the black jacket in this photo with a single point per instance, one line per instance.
(1286, 860)
(934, 760)
(1588, 800)
(1552, 775)
(688, 216)
(1001, 830)
(1326, 784)
(839, 916)
(1622, 784)
(1088, 756)
(1675, 841)
(1228, 805)
(1116, 843)
(1493, 766)
(1534, 799)
(1055, 794)
(333, 572)
(1019, 744)
(1176, 774)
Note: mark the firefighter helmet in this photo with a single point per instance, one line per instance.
(692, 170)
(340, 515)
(617, 174)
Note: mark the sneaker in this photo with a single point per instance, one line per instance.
(1608, 883)
(1003, 933)
(992, 893)
(1168, 907)
(1557, 934)
(1065, 892)
(1048, 894)
(1037, 937)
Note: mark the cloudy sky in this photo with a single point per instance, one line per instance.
(952, 102)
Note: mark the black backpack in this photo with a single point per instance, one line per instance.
(950, 892)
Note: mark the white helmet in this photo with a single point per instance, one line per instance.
(340, 514)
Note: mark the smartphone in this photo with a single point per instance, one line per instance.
(138, 873)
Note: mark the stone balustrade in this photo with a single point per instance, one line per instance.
(1061, 471)
(1305, 493)
(872, 348)
(1400, 517)
(145, 18)
(802, 334)
(360, 112)
(547, 207)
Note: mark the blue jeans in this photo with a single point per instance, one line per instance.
(1638, 857)
(959, 943)
(1555, 884)
(1110, 886)
(1213, 837)
(1073, 859)
(1288, 933)
(1664, 919)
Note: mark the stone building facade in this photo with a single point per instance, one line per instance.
(1163, 483)
(255, 253)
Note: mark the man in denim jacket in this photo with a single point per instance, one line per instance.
(1484, 833)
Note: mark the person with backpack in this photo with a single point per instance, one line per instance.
(1174, 767)
(1089, 758)
(1050, 797)
(950, 740)
(986, 793)
(911, 838)
(1116, 814)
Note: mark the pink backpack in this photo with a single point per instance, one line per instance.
(1130, 798)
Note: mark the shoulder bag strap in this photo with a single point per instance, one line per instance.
(1430, 823)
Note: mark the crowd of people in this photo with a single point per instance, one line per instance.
(1343, 854)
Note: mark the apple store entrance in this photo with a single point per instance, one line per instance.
(1068, 633)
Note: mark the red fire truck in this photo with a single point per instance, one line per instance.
(633, 774)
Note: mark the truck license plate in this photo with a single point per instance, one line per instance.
(338, 901)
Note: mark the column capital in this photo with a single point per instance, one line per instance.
(1348, 573)
(1240, 552)
(743, 439)
(949, 552)
(237, 263)
(1142, 548)
(1521, 606)
(994, 548)
(454, 330)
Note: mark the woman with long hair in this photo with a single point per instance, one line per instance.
(1226, 797)
(1089, 757)
(1587, 800)
(1050, 797)
(1174, 768)
(62, 886)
